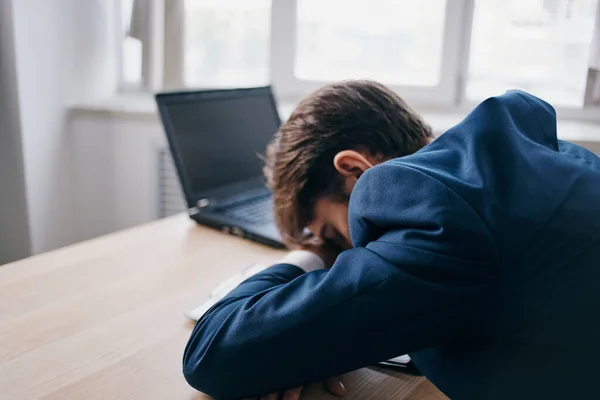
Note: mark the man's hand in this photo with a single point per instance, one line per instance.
(334, 385)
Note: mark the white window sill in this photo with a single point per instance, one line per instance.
(143, 106)
(128, 105)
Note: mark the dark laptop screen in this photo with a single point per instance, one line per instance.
(218, 135)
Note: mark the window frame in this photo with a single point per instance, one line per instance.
(283, 43)
(163, 68)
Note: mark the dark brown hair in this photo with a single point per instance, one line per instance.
(351, 115)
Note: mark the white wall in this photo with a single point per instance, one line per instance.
(14, 222)
(116, 177)
(65, 53)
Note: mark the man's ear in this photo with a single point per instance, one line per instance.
(351, 163)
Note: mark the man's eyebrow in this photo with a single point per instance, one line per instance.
(322, 232)
(335, 240)
(337, 234)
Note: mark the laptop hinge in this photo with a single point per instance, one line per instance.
(203, 203)
(200, 205)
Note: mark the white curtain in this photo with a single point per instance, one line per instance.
(172, 69)
(138, 27)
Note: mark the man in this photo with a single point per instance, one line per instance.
(479, 254)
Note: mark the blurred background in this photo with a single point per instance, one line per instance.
(82, 151)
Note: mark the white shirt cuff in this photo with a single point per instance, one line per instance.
(303, 259)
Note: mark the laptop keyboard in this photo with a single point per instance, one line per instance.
(257, 210)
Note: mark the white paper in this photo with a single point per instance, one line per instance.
(222, 290)
(405, 359)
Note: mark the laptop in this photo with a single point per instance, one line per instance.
(216, 137)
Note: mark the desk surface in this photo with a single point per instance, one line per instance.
(103, 319)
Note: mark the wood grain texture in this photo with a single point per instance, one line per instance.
(103, 319)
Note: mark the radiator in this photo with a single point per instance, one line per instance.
(170, 194)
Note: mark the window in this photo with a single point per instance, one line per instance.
(437, 54)
(396, 42)
(541, 46)
(412, 46)
(226, 43)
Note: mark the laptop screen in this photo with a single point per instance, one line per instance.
(218, 135)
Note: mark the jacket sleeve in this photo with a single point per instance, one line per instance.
(404, 288)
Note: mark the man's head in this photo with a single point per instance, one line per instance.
(330, 139)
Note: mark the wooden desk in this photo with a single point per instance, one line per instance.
(103, 319)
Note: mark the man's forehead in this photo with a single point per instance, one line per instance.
(318, 216)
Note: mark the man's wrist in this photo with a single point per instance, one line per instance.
(303, 259)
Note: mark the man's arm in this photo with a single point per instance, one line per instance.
(284, 328)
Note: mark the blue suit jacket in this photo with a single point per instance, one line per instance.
(479, 255)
